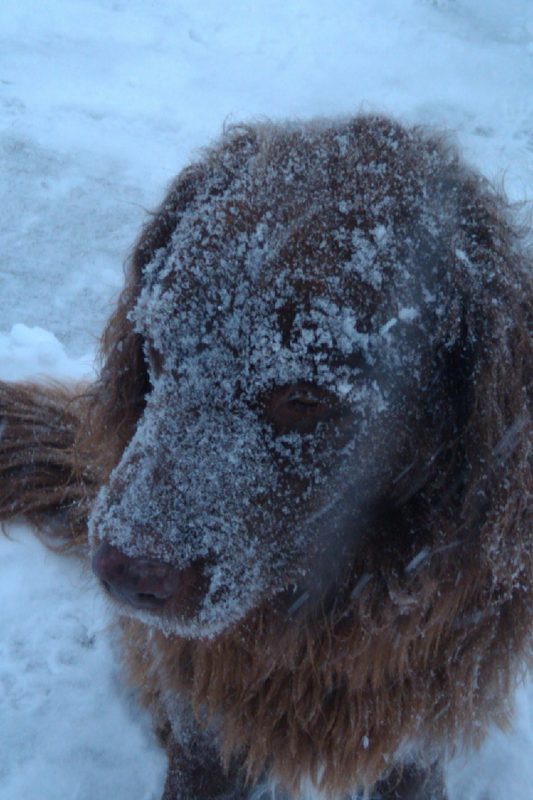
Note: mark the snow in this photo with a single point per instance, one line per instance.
(103, 101)
(32, 352)
(63, 704)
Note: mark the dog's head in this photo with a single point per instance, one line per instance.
(292, 369)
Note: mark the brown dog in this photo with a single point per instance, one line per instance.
(305, 462)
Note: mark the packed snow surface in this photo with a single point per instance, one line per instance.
(102, 103)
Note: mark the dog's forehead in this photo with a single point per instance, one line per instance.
(272, 329)
(304, 261)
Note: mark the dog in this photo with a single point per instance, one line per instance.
(303, 475)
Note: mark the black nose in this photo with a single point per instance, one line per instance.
(145, 583)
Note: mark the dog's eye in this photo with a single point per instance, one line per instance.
(300, 408)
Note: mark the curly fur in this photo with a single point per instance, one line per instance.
(419, 640)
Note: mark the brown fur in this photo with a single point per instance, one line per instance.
(400, 650)
(41, 473)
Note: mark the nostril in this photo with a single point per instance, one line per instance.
(148, 583)
(141, 582)
(145, 600)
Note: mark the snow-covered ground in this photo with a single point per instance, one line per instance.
(102, 101)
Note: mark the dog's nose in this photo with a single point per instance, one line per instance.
(146, 583)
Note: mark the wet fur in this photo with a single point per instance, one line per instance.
(421, 644)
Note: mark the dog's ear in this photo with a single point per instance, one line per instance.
(470, 461)
(498, 431)
(489, 372)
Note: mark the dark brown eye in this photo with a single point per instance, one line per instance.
(300, 407)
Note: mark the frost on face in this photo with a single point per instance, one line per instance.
(303, 260)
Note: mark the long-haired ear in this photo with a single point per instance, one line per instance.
(498, 436)
(494, 370)
(473, 481)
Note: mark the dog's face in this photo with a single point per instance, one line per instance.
(289, 328)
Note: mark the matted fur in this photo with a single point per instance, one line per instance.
(419, 643)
